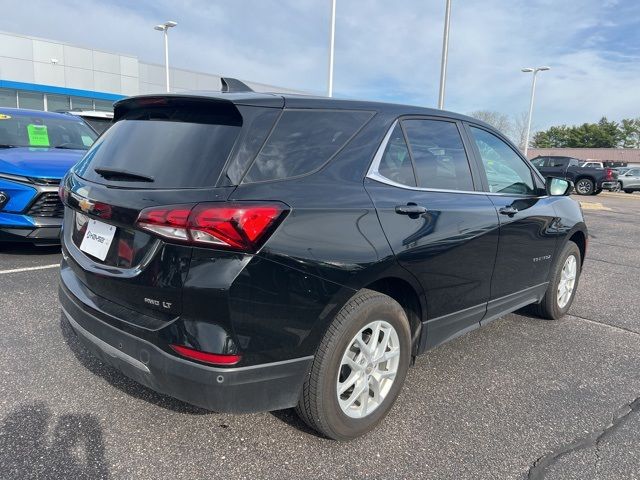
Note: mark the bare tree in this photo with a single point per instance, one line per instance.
(498, 120)
(518, 132)
(513, 127)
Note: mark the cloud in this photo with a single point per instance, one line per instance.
(385, 51)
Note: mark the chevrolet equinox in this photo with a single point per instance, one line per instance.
(246, 252)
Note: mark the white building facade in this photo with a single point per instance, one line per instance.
(50, 75)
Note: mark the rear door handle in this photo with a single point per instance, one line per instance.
(410, 209)
(508, 210)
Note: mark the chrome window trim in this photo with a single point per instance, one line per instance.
(374, 174)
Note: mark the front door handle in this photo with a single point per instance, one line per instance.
(411, 209)
(508, 210)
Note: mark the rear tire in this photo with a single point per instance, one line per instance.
(351, 414)
(628, 191)
(554, 304)
(584, 186)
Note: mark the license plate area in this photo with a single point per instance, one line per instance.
(97, 239)
(128, 247)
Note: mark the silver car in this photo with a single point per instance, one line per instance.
(629, 181)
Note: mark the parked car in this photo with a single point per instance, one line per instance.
(97, 120)
(587, 180)
(621, 170)
(271, 251)
(629, 181)
(36, 150)
(593, 164)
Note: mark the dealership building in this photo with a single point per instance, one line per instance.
(50, 75)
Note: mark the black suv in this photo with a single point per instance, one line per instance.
(245, 252)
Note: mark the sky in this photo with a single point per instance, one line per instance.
(385, 50)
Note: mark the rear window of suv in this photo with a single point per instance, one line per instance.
(173, 147)
(304, 140)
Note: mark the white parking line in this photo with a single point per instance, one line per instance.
(29, 269)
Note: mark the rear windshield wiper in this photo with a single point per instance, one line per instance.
(3, 145)
(121, 175)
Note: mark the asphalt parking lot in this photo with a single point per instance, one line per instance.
(521, 398)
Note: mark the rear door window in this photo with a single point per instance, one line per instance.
(302, 141)
(557, 162)
(438, 154)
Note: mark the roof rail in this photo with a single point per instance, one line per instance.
(234, 85)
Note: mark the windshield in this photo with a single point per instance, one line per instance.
(44, 132)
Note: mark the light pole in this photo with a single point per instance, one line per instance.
(533, 93)
(445, 54)
(164, 27)
(332, 43)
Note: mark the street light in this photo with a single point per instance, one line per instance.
(332, 43)
(445, 54)
(164, 27)
(533, 92)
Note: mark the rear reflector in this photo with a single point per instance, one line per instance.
(240, 226)
(212, 358)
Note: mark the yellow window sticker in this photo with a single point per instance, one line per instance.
(38, 135)
(4, 117)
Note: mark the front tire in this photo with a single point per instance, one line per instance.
(584, 186)
(628, 191)
(359, 368)
(563, 284)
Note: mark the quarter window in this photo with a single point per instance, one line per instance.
(302, 141)
(506, 171)
(396, 162)
(438, 154)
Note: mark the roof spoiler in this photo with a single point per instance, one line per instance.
(233, 85)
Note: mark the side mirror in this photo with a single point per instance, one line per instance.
(557, 187)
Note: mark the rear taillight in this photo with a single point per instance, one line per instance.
(240, 226)
(608, 174)
(212, 358)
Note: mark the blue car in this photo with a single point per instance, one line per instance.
(36, 150)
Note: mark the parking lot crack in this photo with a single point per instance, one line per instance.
(612, 263)
(608, 325)
(540, 467)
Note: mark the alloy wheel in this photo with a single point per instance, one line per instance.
(567, 281)
(368, 369)
(583, 187)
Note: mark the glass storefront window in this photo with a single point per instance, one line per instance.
(81, 103)
(7, 97)
(104, 105)
(32, 100)
(57, 102)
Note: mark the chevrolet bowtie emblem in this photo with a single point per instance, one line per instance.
(86, 205)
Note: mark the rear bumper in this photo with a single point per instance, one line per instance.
(609, 185)
(270, 386)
